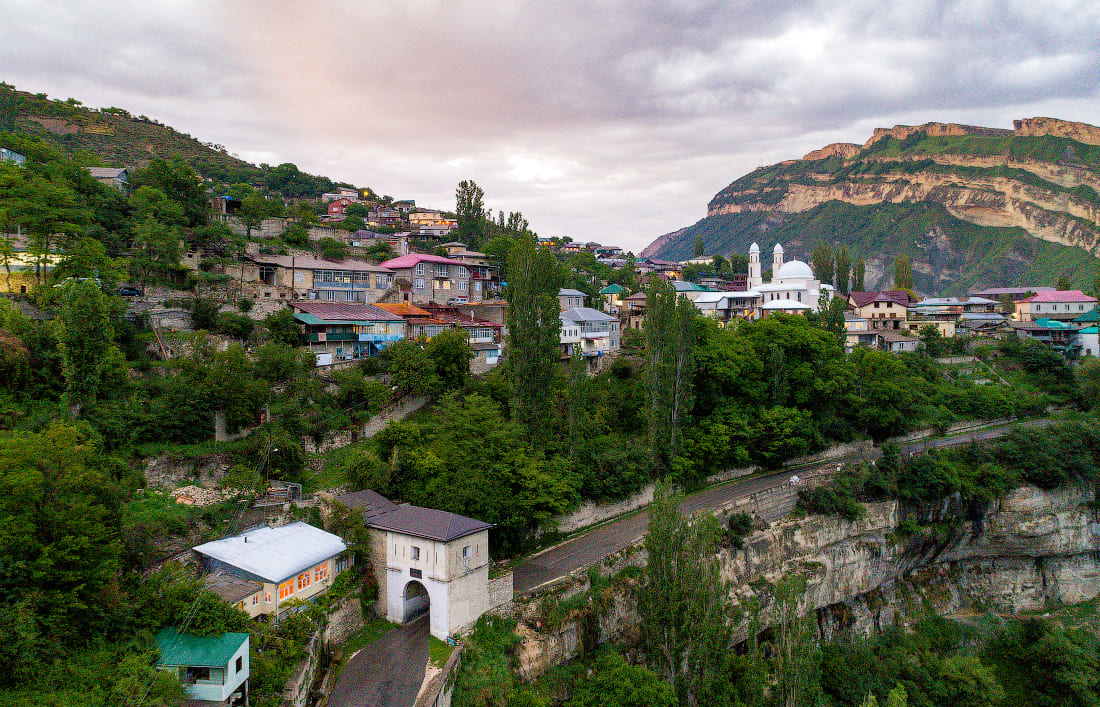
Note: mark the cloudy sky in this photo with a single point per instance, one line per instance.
(608, 120)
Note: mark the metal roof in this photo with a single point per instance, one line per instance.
(428, 523)
(337, 312)
(370, 503)
(586, 314)
(309, 262)
(230, 587)
(565, 292)
(182, 649)
(274, 554)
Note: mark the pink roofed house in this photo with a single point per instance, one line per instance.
(432, 278)
(1060, 305)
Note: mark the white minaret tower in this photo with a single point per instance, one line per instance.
(754, 267)
(777, 261)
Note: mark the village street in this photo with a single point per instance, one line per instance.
(589, 548)
(388, 672)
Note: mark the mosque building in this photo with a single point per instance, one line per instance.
(793, 288)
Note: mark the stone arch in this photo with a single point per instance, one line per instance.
(415, 601)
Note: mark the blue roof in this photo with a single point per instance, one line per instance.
(204, 651)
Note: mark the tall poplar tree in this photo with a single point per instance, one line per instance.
(534, 328)
(843, 267)
(91, 362)
(823, 263)
(903, 273)
(858, 273)
(470, 213)
(698, 245)
(669, 334)
(683, 602)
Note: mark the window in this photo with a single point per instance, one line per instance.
(466, 551)
(286, 589)
(304, 581)
(419, 284)
(462, 285)
(415, 552)
(299, 277)
(420, 268)
(240, 664)
(321, 572)
(415, 573)
(267, 597)
(255, 599)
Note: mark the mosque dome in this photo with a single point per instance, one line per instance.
(777, 249)
(754, 248)
(795, 269)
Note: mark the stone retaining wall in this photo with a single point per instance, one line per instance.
(344, 621)
(398, 410)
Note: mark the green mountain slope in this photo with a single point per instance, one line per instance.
(972, 206)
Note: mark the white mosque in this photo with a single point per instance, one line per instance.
(793, 287)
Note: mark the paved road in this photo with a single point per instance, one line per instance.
(587, 549)
(388, 672)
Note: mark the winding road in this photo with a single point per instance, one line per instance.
(592, 546)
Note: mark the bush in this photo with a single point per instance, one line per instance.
(204, 313)
(245, 305)
(236, 325)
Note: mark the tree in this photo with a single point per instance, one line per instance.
(843, 266)
(470, 213)
(412, 370)
(683, 601)
(180, 183)
(823, 263)
(7, 259)
(92, 363)
(450, 354)
(255, 207)
(87, 259)
(1063, 283)
(698, 245)
(669, 332)
(615, 683)
(155, 249)
(332, 249)
(282, 328)
(534, 330)
(857, 276)
(903, 273)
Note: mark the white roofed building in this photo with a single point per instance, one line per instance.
(589, 332)
(287, 562)
(793, 287)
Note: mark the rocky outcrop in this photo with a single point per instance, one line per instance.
(1029, 548)
(1081, 132)
(900, 132)
(844, 150)
(661, 242)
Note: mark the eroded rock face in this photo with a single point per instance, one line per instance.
(1028, 548)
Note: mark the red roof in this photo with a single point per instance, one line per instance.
(408, 261)
(1060, 296)
(337, 311)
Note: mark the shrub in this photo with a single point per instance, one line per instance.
(204, 313)
(244, 304)
(236, 325)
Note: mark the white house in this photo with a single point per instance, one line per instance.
(588, 332)
(426, 561)
(288, 562)
(212, 669)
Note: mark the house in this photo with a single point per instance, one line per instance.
(588, 332)
(478, 331)
(7, 155)
(634, 307)
(294, 562)
(571, 247)
(568, 298)
(896, 342)
(212, 669)
(314, 278)
(384, 216)
(484, 275)
(116, 177)
(885, 310)
(419, 323)
(427, 217)
(17, 273)
(363, 238)
(405, 206)
(793, 287)
(488, 353)
(612, 298)
(339, 206)
(1011, 294)
(982, 323)
(340, 332)
(1058, 335)
(433, 278)
(857, 332)
(1060, 305)
(427, 561)
(1088, 341)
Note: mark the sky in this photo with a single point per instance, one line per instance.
(606, 120)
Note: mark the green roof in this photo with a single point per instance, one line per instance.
(1093, 316)
(1053, 324)
(613, 290)
(1090, 330)
(206, 651)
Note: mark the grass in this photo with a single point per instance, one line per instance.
(438, 652)
(367, 635)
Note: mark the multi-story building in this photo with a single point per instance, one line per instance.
(484, 275)
(1059, 305)
(589, 332)
(339, 332)
(884, 310)
(567, 298)
(310, 277)
(7, 155)
(433, 278)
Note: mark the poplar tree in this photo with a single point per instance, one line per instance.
(669, 334)
(91, 362)
(903, 273)
(698, 245)
(683, 602)
(534, 329)
(470, 213)
(823, 263)
(857, 276)
(843, 266)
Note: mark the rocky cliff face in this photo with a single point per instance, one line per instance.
(1024, 550)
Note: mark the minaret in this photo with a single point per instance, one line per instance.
(777, 261)
(754, 267)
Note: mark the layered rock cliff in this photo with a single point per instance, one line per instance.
(1041, 179)
(1019, 553)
